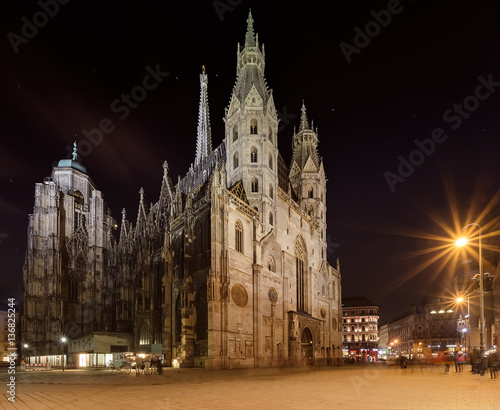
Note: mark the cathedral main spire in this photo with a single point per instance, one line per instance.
(204, 139)
(250, 36)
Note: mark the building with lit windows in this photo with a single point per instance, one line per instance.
(426, 328)
(359, 329)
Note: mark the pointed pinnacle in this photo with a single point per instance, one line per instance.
(303, 120)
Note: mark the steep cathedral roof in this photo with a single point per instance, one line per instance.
(197, 175)
(305, 155)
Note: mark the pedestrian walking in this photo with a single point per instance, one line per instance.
(448, 361)
(484, 364)
(159, 365)
(493, 364)
(460, 360)
(475, 360)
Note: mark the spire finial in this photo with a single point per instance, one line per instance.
(165, 167)
(75, 151)
(124, 214)
(303, 120)
(141, 193)
(250, 38)
(203, 69)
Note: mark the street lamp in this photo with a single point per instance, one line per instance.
(462, 242)
(63, 341)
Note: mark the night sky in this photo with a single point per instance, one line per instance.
(405, 83)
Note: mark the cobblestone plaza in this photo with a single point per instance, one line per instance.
(347, 387)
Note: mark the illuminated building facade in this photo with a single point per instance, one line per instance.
(359, 329)
(228, 268)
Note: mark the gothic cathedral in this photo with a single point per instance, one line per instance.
(227, 269)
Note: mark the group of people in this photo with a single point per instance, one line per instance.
(487, 361)
(480, 363)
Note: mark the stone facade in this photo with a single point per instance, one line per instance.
(227, 269)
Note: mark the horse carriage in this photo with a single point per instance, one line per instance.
(122, 362)
(142, 363)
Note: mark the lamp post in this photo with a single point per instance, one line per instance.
(460, 299)
(462, 242)
(63, 341)
(24, 358)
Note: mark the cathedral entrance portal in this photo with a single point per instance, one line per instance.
(307, 346)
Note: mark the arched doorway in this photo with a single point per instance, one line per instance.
(307, 346)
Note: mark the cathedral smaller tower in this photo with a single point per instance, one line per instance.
(307, 174)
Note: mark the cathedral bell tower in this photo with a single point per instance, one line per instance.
(307, 175)
(251, 130)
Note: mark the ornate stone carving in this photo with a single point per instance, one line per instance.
(272, 294)
(239, 295)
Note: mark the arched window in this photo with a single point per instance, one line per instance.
(200, 303)
(253, 154)
(235, 160)
(253, 126)
(310, 193)
(255, 185)
(271, 265)
(352, 338)
(235, 133)
(363, 328)
(238, 233)
(270, 134)
(73, 290)
(270, 160)
(345, 338)
(352, 328)
(345, 328)
(300, 267)
(271, 218)
(271, 191)
(363, 338)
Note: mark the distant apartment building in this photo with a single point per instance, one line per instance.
(427, 328)
(360, 329)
